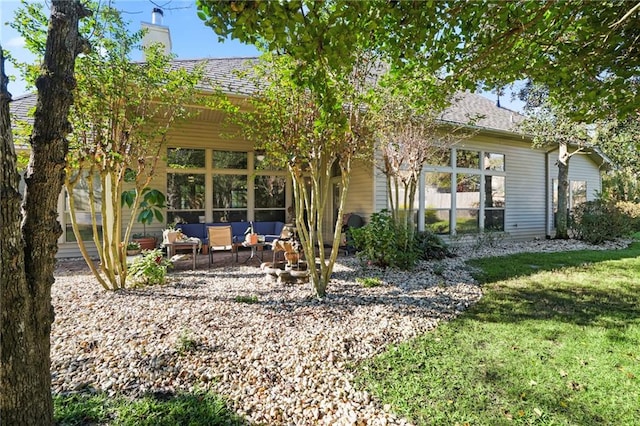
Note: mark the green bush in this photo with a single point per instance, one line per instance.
(632, 212)
(384, 243)
(149, 269)
(598, 221)
(430, 246)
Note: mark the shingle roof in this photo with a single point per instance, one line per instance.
(481, 112)
(466, 108)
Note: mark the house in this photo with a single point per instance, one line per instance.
(493, 180)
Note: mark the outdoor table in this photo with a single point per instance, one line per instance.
(255, 248)
(194, 243)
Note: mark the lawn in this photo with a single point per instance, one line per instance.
(199, 408)
(555, 340)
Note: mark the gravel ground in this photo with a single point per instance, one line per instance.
(283, 360)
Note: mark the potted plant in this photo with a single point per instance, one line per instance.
(133, 248)
(153, 201)
(171, 234)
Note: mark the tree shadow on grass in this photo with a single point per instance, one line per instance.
(157, 409)
(583, 306)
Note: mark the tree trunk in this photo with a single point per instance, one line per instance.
(28, 253)
(562, 231)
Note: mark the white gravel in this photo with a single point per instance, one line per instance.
(284, 360)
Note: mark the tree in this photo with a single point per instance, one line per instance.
(409, 134)
(28, 237)
(550, 125)
(121, 116)
(585, 52)
(618, 139)
(309, 132)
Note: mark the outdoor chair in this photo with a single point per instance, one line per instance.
(220, 239)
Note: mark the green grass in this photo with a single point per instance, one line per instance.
(197, 409)
(369, 282)
(247, 299)
(555, 340)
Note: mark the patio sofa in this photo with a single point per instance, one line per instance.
(270, 230)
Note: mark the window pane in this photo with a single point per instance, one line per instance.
(494, 191)
(467, 221)
(83, 210)
(270, 191)
(182, 158)
(468, 191)
(190, 216)
(438, 202)
(185, 191)
(438, 190)
(262, 161)
(578, 192)
(494, 220)
(269, 215)
(229, 191)
(493, 161)
(229, 160)
(229, 215)
(440, 157)
(468, 202)
(438, 220)
(468, 159)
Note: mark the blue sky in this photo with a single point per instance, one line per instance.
(190, 38)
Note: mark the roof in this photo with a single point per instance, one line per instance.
(466, 109)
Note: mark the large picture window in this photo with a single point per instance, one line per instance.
(468, 192)
(206, 185)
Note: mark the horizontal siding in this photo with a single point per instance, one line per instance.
(361, 190)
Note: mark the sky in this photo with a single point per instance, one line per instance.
(190, 38)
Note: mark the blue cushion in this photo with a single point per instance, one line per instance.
(197, 230)
(263, 228)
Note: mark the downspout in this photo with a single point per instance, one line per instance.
(547, 193)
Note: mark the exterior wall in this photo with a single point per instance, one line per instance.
(528, 174)
(528, 212)
(205, 131)
(581, 168)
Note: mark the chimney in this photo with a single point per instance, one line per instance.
(156, 32)
(156, 16)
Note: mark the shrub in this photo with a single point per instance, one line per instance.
(384, 243)
(632, 212)
(430, 246)
(598, 221)
(149, 269)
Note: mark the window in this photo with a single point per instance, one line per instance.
(467, 159)
(494, 199)
(186, 185)
(467, 203)
(229, 198)
(493, 161)
(270, 199)
(83, 210)
(438, 202)
(206, 185)
(468, 192)
(577, 195)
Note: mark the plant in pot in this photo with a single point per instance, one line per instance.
(153, 201)
(171, 234)
(133, 248)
